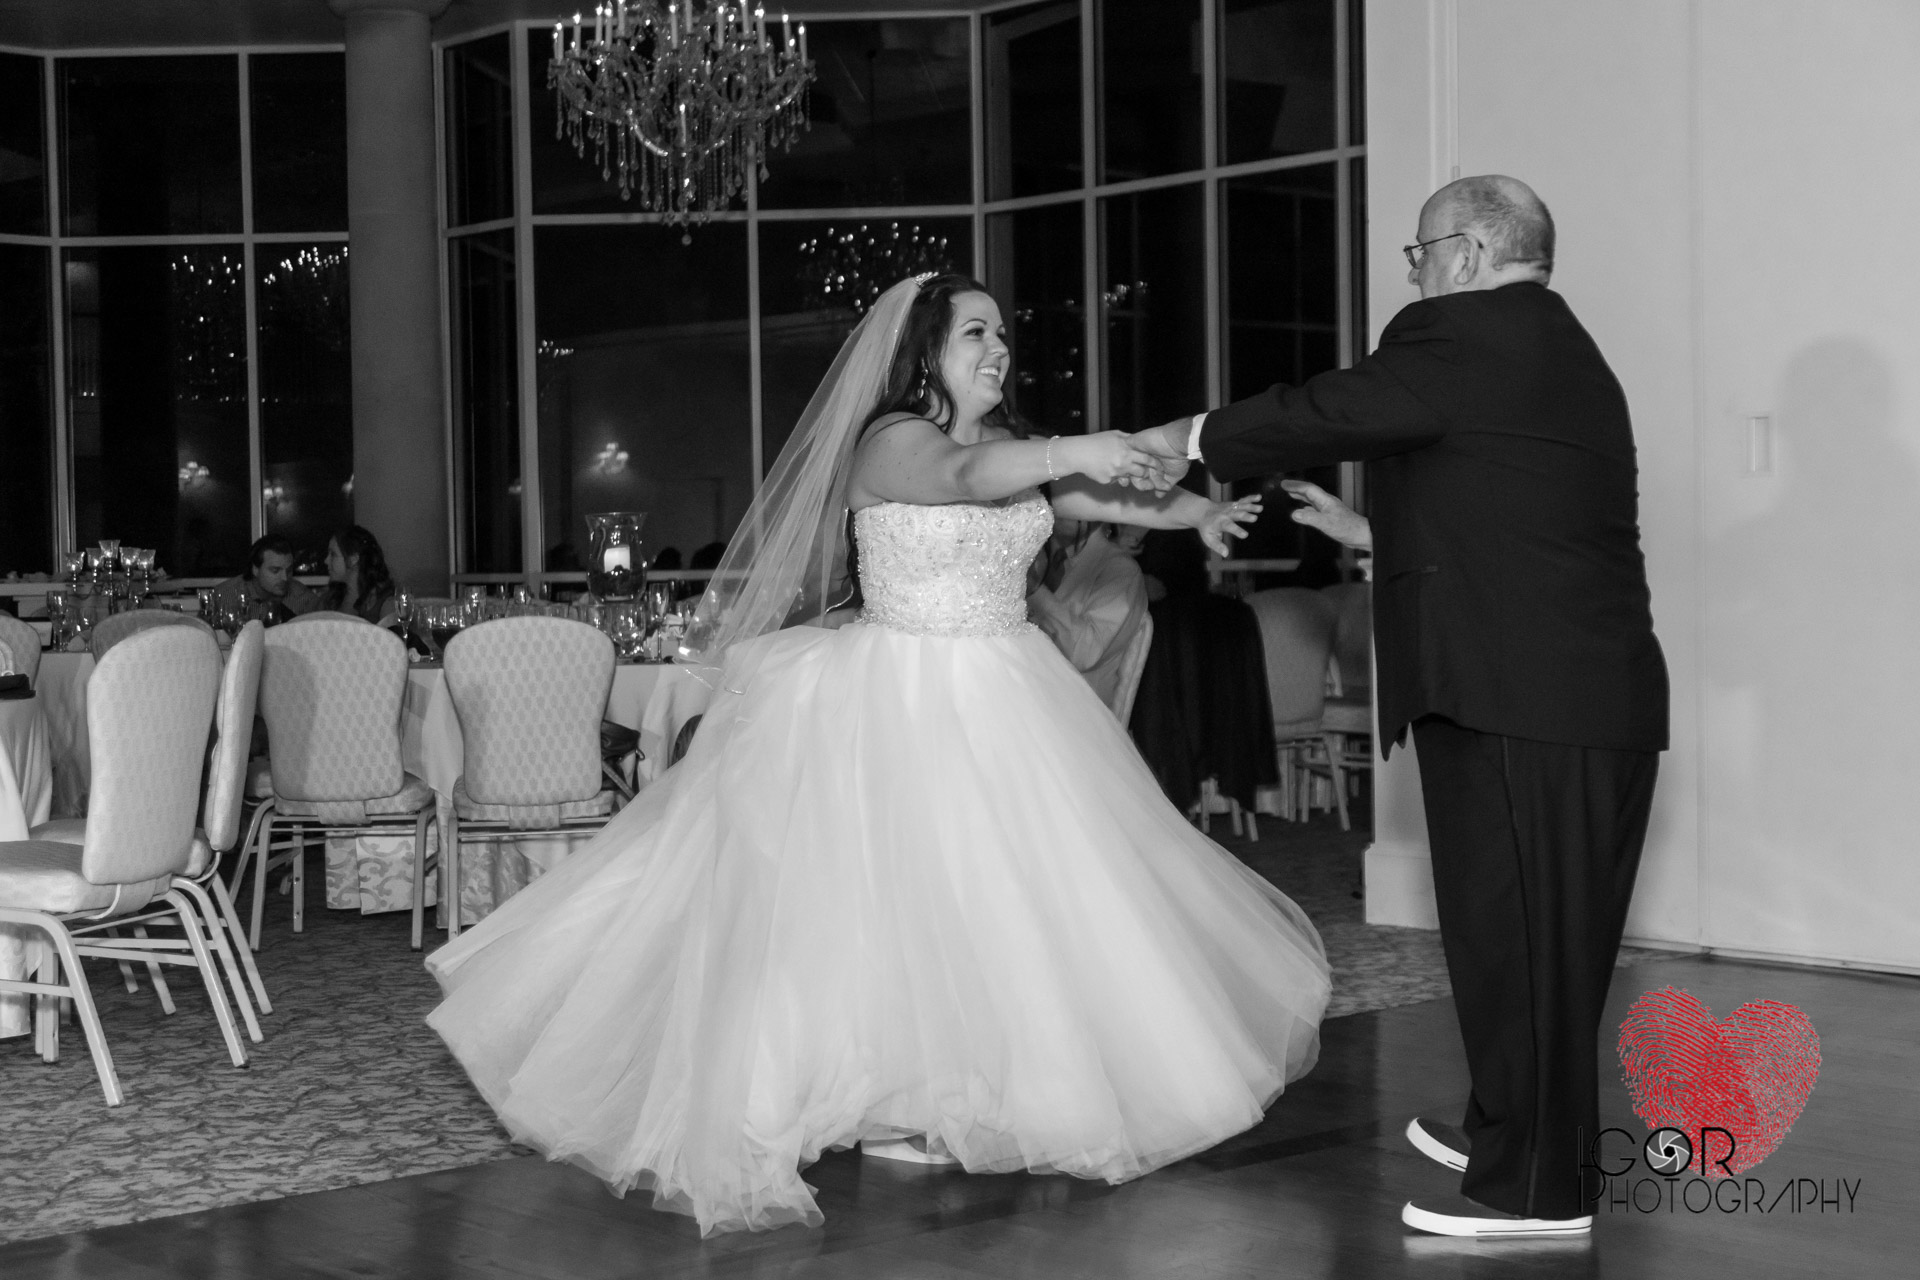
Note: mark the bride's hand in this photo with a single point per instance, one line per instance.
(1109, 457)
(1223, 520)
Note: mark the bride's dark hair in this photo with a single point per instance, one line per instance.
(914, 384)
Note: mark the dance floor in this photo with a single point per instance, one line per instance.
(1313, 1191)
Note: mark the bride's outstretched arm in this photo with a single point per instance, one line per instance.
(1080, 499)
(911, 460)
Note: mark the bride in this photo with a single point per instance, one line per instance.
(911, 886)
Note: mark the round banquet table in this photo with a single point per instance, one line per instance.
(26, 799)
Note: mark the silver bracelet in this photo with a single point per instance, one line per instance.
(1050, 474)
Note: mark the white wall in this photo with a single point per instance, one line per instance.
(1736, 185)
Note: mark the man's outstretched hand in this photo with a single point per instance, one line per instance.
(1168, 445)
(1328, 514)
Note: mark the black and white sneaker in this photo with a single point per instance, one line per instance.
(1438, 1140)
(1459, 1216)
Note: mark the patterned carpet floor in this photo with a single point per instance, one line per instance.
(350, 1086)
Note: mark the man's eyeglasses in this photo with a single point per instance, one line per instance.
(1417, 252)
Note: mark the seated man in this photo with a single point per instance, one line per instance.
(1091, 599)
(268, 590)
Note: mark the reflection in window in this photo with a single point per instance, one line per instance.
(306, 392)
(890, 117)
(479, 114)
(23, 146)
(150, 145)
(1033, 99)
(565, 181)
(816, 281)
(1280, 287)
(299, 124)
(26, 478)
(1037, 254)
(157, 402)
(1150, 89)
(486, 405)
(1153, 266)
(1277, 84)
(645, 401)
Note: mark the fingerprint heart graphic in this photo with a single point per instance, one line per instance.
(1749, 1073)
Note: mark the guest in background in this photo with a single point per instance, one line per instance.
(1202, 710)
(1090, 599)
(360, 582)
(267, 591)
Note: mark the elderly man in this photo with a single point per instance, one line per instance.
(268, 590)
(1515, 638)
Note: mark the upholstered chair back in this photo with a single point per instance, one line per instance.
(321, 615)
(23, 646)
(530, 693)
(6, 659)
(331, 691)
(1352, 635)
(149, 706)
(233, 733)
(1296, 632)
(111, 631)
(1133, 665)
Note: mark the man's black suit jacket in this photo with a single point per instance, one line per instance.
(1509, 590)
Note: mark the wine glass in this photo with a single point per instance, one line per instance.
(445, 621)
(403, 610)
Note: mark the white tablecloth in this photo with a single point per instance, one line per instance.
(26, 797)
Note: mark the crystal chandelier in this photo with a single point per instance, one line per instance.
(680, 101)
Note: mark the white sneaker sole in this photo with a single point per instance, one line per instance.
(904, 1151)
(1428, 1146)
(1447, 1224)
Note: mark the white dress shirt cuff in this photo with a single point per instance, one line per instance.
(1193, 438)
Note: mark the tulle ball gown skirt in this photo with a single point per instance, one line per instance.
(900, 884)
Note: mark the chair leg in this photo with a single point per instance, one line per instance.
(450, 879)
(300, 878)
(126, 969)
(217, 933)
(1336, 748)
(239, 936)
(420, 875)
(46, 1011)
(260, 878)
(76, 985)
(154, 975)
(209, 975)
(1253, 827)
(261, 813)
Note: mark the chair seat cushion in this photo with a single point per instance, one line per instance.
(530, 817)
(1347, 715)
(74, 831)
(413, 796)
(44, 875)
(259, 778)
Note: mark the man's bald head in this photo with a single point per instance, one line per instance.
(1509, 219)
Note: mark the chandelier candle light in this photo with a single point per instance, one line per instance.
(680, 101)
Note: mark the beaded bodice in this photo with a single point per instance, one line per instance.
(954, 570)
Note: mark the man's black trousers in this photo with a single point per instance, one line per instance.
(1535, 848)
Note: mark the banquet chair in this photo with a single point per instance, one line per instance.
(331, 692)
(1349, 710)
(1133, 664)
(6, 659)
(530, 694)
(22, 644)
(220, 814)
(154, 692)
(112, 630)
(1296, 631)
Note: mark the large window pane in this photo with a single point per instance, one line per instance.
(564, 181)
(645, 400)
(23, 146)
(1153, 266)
(479, 113)
(486, 403)
(1033, 99)
(1038, 276)
(150, 145)
(1152, 118)
(157, 402)
(26, 420)
(1278, 81)
(299, 141)
(890, 116)
(1280, 288)
(306, 392)
(816, 281)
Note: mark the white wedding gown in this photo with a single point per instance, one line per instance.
(911, 877)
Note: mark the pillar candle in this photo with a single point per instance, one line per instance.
(803, 42)
(616, 558)
(576, 33)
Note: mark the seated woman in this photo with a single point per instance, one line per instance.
(360, 582)
(1090, 599)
